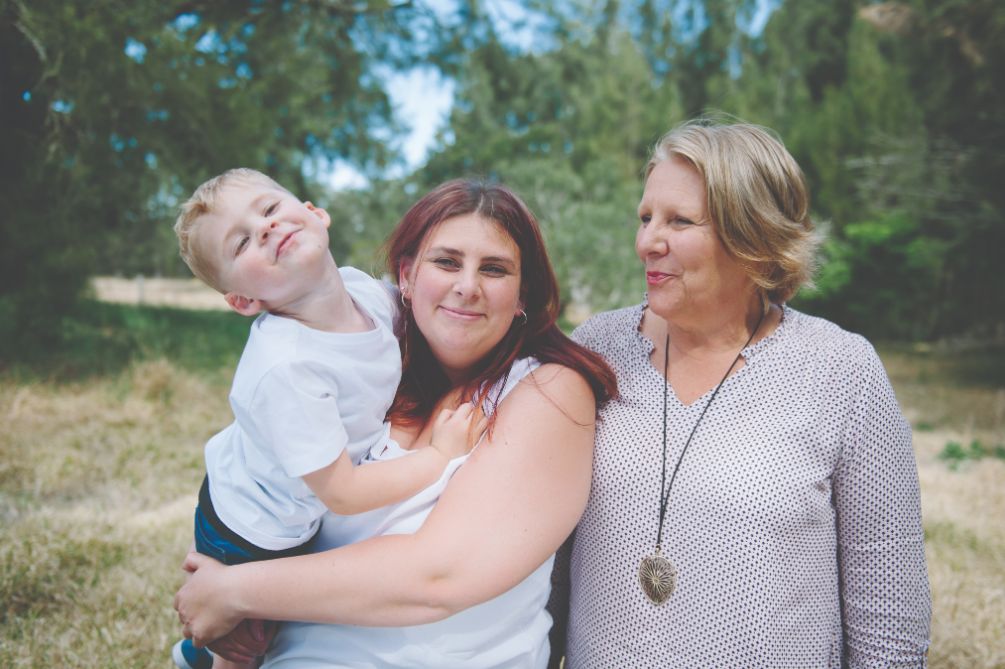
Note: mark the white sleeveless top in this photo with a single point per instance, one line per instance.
(510, 630)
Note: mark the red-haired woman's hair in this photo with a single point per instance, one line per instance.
(423, 382)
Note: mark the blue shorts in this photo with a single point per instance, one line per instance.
(218, 541)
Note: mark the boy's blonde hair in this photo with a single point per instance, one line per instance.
(756, 197)
(202, 202)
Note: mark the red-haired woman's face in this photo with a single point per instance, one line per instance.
(464, 289)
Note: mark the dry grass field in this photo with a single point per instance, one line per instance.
(156, 291)
(97, 486)
(963, 507)
(98, 480)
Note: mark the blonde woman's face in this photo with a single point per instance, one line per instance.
(689, 273)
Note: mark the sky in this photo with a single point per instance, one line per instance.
(422, 100)
(422, 97)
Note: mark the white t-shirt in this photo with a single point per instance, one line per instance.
(300, 397)
(508, 631)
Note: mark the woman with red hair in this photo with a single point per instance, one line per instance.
(459, 575)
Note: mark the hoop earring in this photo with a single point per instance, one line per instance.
(524, 315)
(404, 304)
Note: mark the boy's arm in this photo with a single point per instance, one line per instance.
(346, 489)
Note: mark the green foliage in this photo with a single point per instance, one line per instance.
(362, 221)
(895, 111)
(569, 129)
(879, 276)
(568, 125)
(99, 338)
(900, 138)
(112, 113)
(584, 216)
(954, 454)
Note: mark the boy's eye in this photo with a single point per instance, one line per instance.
(269, 210)
(645, 218)
(241, 245)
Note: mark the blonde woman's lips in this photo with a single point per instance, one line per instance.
(656, 278)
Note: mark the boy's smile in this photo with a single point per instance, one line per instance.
(283, 244)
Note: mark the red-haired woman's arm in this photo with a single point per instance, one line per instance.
(503, 514)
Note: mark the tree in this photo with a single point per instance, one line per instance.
(896, 119)
(112, 115)
(569, 129)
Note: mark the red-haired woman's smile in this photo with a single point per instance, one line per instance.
(462, 314)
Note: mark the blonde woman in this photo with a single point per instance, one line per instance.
(755, 496)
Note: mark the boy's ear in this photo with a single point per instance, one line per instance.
(245, 306)
(320, 213)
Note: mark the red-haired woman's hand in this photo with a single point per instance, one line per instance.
(204, 603)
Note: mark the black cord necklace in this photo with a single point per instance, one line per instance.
(657, 575)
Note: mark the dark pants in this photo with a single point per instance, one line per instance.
(219, 542)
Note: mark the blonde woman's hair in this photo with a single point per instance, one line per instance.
(756, 196)
(201, 202)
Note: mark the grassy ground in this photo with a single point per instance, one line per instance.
(102, 455)
(956, 404)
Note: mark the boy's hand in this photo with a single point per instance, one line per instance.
(245, 642)
(455, 432)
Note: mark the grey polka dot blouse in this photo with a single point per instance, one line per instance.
(794, 522)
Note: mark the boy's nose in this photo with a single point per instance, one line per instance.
(266, 229)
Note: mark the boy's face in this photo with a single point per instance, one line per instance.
(269, 249)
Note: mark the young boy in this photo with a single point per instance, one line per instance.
(316, 378)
